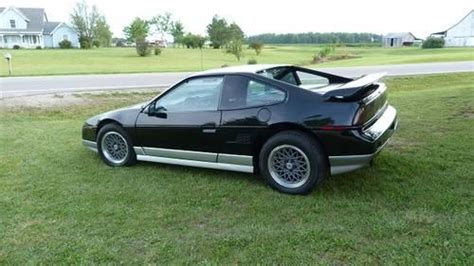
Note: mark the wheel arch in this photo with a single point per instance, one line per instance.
(104, 122)
(280, 127)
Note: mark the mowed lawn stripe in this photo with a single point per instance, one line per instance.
(125, 60)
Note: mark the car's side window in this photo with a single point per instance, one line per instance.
(262, 94)
(198, 94)
(311, 80)
(242, 92)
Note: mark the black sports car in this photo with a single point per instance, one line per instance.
(294, 125)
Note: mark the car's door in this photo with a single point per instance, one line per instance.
(182, 120)
(247, 106)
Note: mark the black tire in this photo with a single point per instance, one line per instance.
(306, 148)
(129, 158)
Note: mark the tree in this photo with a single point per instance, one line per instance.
(138, 29)
(257, 46)
(236, 39)
(163, 24)
(235, 32)
(90, 25)
(235, 47)
(177, 31)
(218, 31)
(102, 33)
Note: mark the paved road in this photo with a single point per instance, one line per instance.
(21, 86)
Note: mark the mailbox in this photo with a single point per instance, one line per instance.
(8, 57)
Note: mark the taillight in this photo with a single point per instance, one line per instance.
(358, 115)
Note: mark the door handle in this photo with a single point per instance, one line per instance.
(209, 130)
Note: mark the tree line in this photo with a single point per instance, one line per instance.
(315, 38)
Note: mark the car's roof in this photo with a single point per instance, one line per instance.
(238, 69)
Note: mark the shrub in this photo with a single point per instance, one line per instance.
(16, 46)
(257, 46)
(433, 42)
(252, 61)
(65, 44)
(143, 47)
(325, 52)
(193, 41)
(96, 43)
(39, 47)
(85, 42)
(157, 51)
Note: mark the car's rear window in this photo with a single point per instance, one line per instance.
(298, 78)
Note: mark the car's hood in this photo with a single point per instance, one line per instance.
(125, 115)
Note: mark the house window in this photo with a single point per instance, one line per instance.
(12, 23)
(65, 37)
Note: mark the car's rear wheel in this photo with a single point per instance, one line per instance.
(114, 146)
(292, 162)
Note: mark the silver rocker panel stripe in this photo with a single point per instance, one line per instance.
(232, 162)
(235, 159)
(194, 163)
(181, 154)
(91, 145)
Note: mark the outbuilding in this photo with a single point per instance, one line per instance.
(399, 39)
(460, 34)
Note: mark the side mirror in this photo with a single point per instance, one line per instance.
(158, 111)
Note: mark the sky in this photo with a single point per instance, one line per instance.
(259, 16)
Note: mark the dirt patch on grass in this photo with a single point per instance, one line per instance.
(49, 100)
(337, 57)
(71, 99)
(468, 113)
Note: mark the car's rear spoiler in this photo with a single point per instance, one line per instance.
(354, 89)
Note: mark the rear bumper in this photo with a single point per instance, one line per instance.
(377, 136)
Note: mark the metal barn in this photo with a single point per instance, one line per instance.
(461, 34)
(399, 39)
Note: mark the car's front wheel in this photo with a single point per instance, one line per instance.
(114, 146)
(292, 162)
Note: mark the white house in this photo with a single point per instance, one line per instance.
(461, 34)
(30, 28)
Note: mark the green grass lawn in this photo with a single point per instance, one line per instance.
(125, 60)
(60, 204)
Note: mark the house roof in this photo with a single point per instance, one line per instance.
(35, 16)
(444, 32)
(397, 34)
(50, 26)
(400, 35)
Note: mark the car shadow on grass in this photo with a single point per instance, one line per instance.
(362, 181)
(204, 172)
